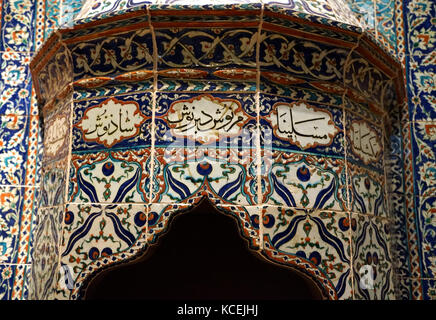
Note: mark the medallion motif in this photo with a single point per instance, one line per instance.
(111, 122)
(303, 125)
(206, 119)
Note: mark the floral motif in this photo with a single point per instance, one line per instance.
(305, 235)
(14, 75)
(6, 248)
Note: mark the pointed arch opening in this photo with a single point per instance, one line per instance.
(201, 257)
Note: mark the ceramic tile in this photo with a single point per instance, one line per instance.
(110, 177)
(385, 20)
(54, 184)
(34, 152)
(362, 109)
(215, 120)
(368, 191)
(372, 259)
(421, 71)
(211, 84)
(332, 15)
(395, 143)
(426, 208)
(45, 264)
(206, 47)
(303, 235)
(424, 151)
(402, 289)
(69, 10)
(394, 174)
(51, 17)
(287, 124)
(21, 282)
(13, 277)
(55, 75)
(11, 200)
(364, 11)
(90, 9)
(429, 289)
(17, 25)
(218, 79)
(6, 280)
(416, 289)
(304, 181)
(224, 175)
(366, 80)
(364, 146)
(115, 54)
(120, 122)
(24, 245)
(400, 245)
(344, 13)
(95, 236)
(15, 83)
(302, 58)
(419, 28)
(57, 128)
(13, 152)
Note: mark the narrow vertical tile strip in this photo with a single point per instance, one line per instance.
(258, 135)
(344, 122)
(153, 101)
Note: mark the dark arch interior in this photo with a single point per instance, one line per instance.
(201, 257)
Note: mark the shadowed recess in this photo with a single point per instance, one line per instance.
(201, 257)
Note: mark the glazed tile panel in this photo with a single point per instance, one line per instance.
(294, 125)
(110, 176)
(419, 45)
(17, 21)
(115, 54)
(302, 58)
(321, 239)
(304, 181)
(364, 142)
(45, 266)
(116, 122)
(206, 47)
(205, 119)
(15, 83)
(386, 23)
(226, 176)
(97, 235)
(321, 149)
(13, 154)
(12, 205)
(332, 9)
(13, 277)
(371, 250)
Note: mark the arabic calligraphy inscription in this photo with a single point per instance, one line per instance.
(303, 124)
(56, 134)
(365, 142)
(205, 118)
(111, 122)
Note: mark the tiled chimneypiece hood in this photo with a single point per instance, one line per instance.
(289, 136)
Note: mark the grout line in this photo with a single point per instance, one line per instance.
(153, 115)
(258, 133)
(348, 186)
(19, 186)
